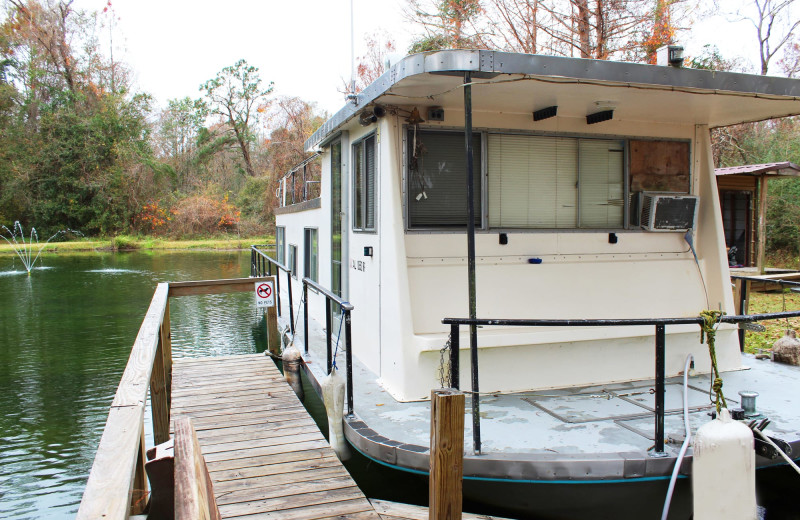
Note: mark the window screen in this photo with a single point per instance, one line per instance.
(311, 251)
(293, 260)
(280, 244)
(364, 184)
(601, 184)
(436, 180)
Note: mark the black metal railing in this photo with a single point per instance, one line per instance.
(660, 325)
(262, 264)
(302, 182)
(346, 309)
(743, 293)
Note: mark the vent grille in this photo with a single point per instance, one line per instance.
(668, 211)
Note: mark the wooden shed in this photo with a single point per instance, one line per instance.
(743, 201)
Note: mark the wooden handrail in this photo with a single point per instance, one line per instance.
(109, 491)
(117, 484)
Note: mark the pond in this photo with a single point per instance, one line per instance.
(67, 330)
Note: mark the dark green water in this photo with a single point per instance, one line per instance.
(65, 335)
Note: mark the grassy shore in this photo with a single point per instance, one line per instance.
(771, 302)
(128, 243)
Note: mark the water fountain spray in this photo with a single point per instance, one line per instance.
(25, 251)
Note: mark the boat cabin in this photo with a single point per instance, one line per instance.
(594, 196)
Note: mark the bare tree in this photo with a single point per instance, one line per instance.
(775, 24)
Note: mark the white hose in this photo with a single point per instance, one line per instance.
(685, 445)
(780, 451)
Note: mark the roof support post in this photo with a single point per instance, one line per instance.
(762, 223)
(473, 330)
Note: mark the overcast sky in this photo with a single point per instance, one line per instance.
(302, 45)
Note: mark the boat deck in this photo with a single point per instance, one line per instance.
(609, 429)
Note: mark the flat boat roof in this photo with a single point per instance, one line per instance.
(522, 83)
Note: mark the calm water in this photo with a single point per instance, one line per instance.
(65, 335)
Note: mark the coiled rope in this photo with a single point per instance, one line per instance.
(708, 334)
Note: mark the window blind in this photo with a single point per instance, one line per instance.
(436, 185)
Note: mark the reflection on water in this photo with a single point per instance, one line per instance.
(66, 335)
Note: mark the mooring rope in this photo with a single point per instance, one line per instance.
(708, 333)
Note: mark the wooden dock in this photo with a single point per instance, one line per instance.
(266, 456)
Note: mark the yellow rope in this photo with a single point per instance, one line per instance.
(708, 333)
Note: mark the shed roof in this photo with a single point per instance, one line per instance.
(777, 169)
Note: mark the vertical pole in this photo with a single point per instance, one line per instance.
(159, 409)
(455, 347)
(139, 495)
(447, 454)
(273, 334)
(328, 348)
(739, 296)
(278, 288)
(473, 331)
(762, 223)
(166, 345)
(660, 388)
(305, 190)
(349, 360)
(305, 316)
(252, 261)
(291, 303)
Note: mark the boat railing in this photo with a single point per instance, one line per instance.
(345, 309)
(301, 183)
(117, 484)
(660, 325)
(261, 264)
(742, 293)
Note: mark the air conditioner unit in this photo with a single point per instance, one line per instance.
(667, 211)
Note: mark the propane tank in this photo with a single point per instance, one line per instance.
(333, 397)
(291, 370)
(724, 471)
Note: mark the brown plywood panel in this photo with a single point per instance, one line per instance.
(659, 166)
(737, 182)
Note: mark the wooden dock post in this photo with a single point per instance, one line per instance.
(447, 454)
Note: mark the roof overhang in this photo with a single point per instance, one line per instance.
(779, 169)
(523, 83)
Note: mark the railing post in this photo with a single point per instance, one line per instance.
(278, 288)
(743, 308)
(454, 357)
(329, 350)
(291, 303)
(660, 386)
(159, 408)
(305, 315)
(252, 261)
(349, 360)
(447, 454)
(166, 345)
(139, 493)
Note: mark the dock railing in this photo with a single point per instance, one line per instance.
(345, 308)
(742, 295)
(660, 325)
(117, 484)
(261, 264)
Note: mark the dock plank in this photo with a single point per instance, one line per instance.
(265, 455)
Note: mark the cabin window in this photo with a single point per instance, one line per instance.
(436, 187)
(293, 260)
(538, 182)
(364, 184)
(280, 244)
(311, 252)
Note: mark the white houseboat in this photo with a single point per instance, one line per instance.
(594, 198)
